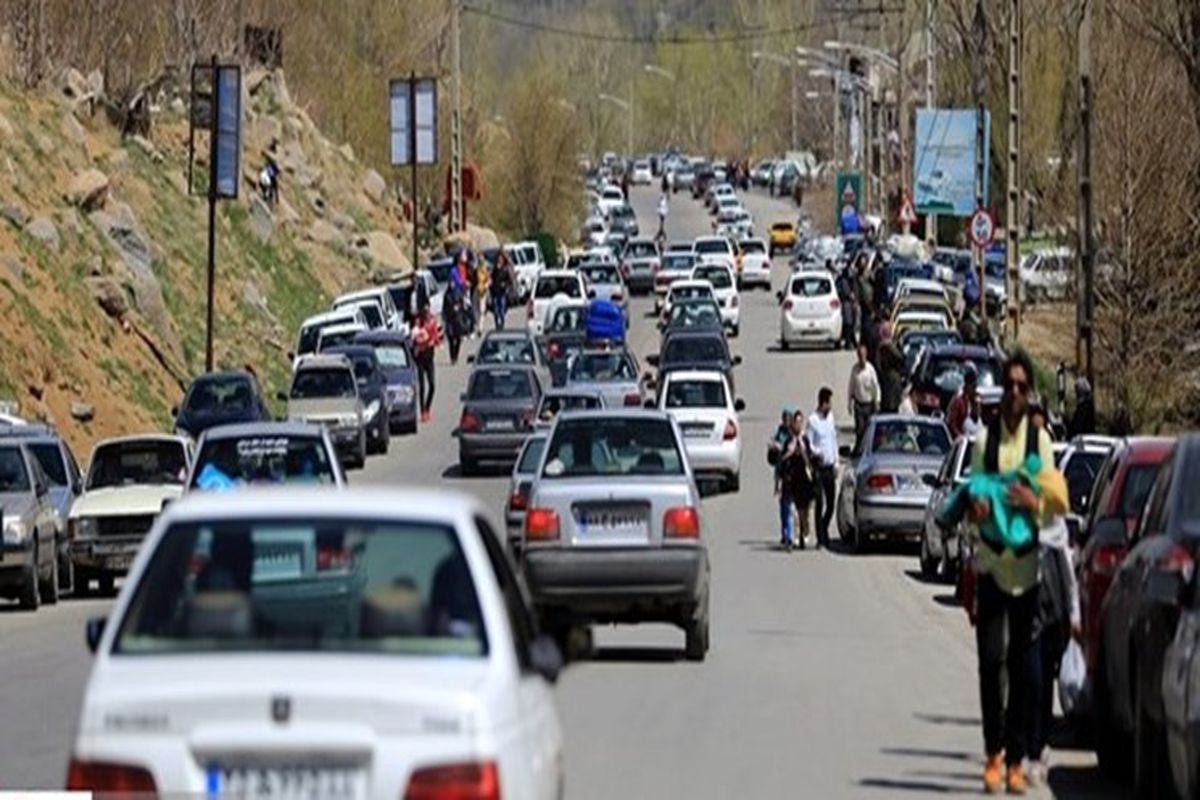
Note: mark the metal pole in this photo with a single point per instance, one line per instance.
(931, 221)
(881, 128)
(868, 168)
(1012, 218)
(457, 203)
(412, 159)
(980, 145)
(212, 216)
(795, 103)
(837, 98)
(631, 84)
(1086, 240)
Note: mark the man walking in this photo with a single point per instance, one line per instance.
(822, 440)
(960, 405)
(863, 395)
(663, 208)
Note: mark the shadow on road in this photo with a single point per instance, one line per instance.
(454, 472)
(918, 786)
(1084, 782)
(921, 577)
(636, 655)
(942, 719)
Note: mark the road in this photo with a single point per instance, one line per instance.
(830, 675)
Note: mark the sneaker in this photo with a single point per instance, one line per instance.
(993, 774)
(1037, 772)
(1015, 779)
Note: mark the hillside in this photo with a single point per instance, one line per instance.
(103, 253)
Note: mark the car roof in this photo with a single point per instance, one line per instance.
(328, 360)
(241, 429)
(1093, 443)
(327, 316)
(501, 368)
(361, 294)
(511, 333)
(141, 437)
(609, 413)
(345, 327)
(34, 431)
(916, 419)
(963, 351)
(557, 273)
(351, 350)
(381, 337)
(811, 271)
(696, 375)
(1142, 450)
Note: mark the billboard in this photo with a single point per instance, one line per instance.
(847, 200)
(944, 168)
(408, 97)
(227, 166)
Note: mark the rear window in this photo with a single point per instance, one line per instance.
(695, 394)
(336, 339)
(531, 455)
(1138, 480)
(548, 287)
(718, 276)
(50, 459)
(372, 315)
(614, 366)
(601, 273)
(641, 250)
(498, 350)
(566, 320)
(694, 313)
(220, 394)
(13, 475)
(678, 262)
(314, 383)
(497, 384)
(679, 293)
(947, 372)
(815, 286)
(392, 356)
(910, 437)
(1081, 477)
(269, 460)
(616, 446)
(694, 350)
(712, 246)
(135, 463)
(754, 246)
(555, 404)
(328, 585)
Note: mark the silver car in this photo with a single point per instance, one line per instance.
(611, 373)
(265, 454)
(941, 551)
(604, 282)
(523, 473)
(30, 531)
(884, 492)
(613, 529)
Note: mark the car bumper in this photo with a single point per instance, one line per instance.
(827, 329)
(107, 555)
(345, 440)
(491, 446)
(707, 460)
(892, 516)
(756, 277)
(640, 280)
(14, 560)
(783, 245)
(730, 317)
(617, 583)
(405, 414)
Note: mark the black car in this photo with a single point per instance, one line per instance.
(623, 219)
(940, 370)
(220, 398)
(694, 348)
(1153, 587)
(498, 412)
(400, 375)
(372, 388)
(564, 335)
(912, 343)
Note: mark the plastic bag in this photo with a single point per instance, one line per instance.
(1072, 673)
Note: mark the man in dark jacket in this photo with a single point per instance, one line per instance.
(891, 369)
(1084, 419)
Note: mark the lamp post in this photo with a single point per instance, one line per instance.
(666, 74)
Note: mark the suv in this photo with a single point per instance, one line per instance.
(325, 392)
(372, 390)
(30, 529)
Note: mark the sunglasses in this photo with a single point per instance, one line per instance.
(1020, 387)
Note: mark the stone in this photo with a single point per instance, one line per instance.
(69, 219)
(88, 189)
(475, 237)
(255, 78)
(119, 225)
(12, 266)
(177, 106)
(285, 213)
(6, 128)
(74, 85)
(147, 147)
(37, 389)
(374, 186)
(308, 176)
(15, 212)
(253, 297)
(109, 295)
(317, 202)
(343, 221)
(269, 129)
(95, 82)
(72, 130)
(95, 266)
(82, 412)
(261, 221)
(322, 232)
(42, 229)
(347, 152)
(382, 249)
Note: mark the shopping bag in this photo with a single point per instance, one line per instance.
(1072, 673)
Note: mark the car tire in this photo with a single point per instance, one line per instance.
(849, 534)
(467, 467)
(696, 633)
(733, 484)
(30, 597)
(736, 330)
(784, 345)
(81, 580)
(929, 564)
(1112, 747)
(1149, 749)
(108, 584)
(385, 438)
(49, 588)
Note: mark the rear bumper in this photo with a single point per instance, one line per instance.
(892, 516)
(724, 460)
(494, 446)
(756, 278)
(826, 329)
(107, 555)
(640, 280)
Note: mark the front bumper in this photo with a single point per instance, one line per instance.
(15, 559)
(345, 440)
(110, 554)
(892, 516)
(640, 279)
(827, 329)
(491, 446)
(403, 414)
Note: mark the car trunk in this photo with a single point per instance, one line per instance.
(612, 511)
(501, 416)
(810, 307)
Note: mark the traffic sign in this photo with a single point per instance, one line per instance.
(982, 228)
(908, 214)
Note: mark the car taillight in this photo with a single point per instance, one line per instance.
(880, 482)
(1179, 561)
(541, 524)
(734, 301)
(730, 430)
(788, 305)
(1107, 559)
(617, 297)
(835, 304)
(469, 423)
(554, 350)
(101, 776)
(519, 500)
(633, 399)
(682, 522)
(470, 781)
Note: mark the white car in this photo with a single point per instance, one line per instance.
(706, 412)
(754, 263)
(527, 262)
(555, 285)
(311, 328)
(611, 197)
(393, 320)
(724, 283)
(641, 175)
(321, 644)
(809, 311)
(922, 288)
(716, 248)
(676, 266)
(1048, 275)
(338, 335)
(686, 289)
(719, 192)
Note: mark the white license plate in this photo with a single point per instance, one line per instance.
(617, 521)
(334, 783)
(500, 425)
(697, 432)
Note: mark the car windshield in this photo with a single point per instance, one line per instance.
(547, 287)
(695, 394)
(694, 313)
(134, 463)
(607, 366)
(601, 273)
(553, 404)
(641, 250)
(679, 262)
(13, 475)
(392, 356)
(504, 350)
(314, 383)
(332, 585)
(612, 446)
(811, 286)
(718, 276)
(782, 227)
(1081, 476)
(919, 339)
(707, 246)
(754, 246)
(1138, 480)
(691, 292)
(219, 394)
(440, 270)
(897, 436)
(500, 384)
(50, 459)
(694, 350)
(948, 372)
(568, 319)
(331, 339)
(273, 459)
(531, 454)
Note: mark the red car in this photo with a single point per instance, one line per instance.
(1120, 491)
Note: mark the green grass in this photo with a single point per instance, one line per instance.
(46, 326)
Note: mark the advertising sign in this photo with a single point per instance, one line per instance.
(944, 162)
(848, 197)
(402, 105)
(228, 130)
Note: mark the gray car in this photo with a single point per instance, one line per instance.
(325, 392)
(497, 414)
(941, 550)
(611, 373)
(513, 347)
(613, 528)
(640, 262)
(30, 529)
(884, 492)
(604, 282)
(523, 474)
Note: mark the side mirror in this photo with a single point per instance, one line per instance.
(929, 480)
(737, 361)
(545, 658)
(653, 359)
(281, 397)
(739, 405)
(93, 631)
(846, 451)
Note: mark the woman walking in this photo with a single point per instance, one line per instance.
(426, 336)
(454, 319)
(793, 480)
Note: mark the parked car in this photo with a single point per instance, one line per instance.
(809, 310)
(754, 264)
(941, 550)
(1048, 275)
(716, 249)
(1080, 463)
(393, 319)
(613, 529)
(640, 263)
(30, 531)
(623, 219)
(686, 289)
(886, 490)
(608, 371)
(724, 285)
(700, 312)
(310, 329)
(324, 392)
(1152, 589)
(497, 414)
(940, 372)
(514, 348)
(704, 408)
(523, 474)
(641, 175)
(254, 619)
(676, 266)
(264, 453)
(372, 392)
(219, 398)
(913, 343)
(394, 353)
(130, 480)
(339, 335)
(552, 287)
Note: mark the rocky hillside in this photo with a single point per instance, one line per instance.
(103, 253)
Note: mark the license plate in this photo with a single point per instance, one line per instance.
(697, 431)
(335, 783)
(500, 425)
(612, 520)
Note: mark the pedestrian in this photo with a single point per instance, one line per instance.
(960, 404)
(502, 286)
(891, 369)
(777, 448)
(663, 208)
(1006, 579)
(426, 337)
(793, 481)
(974, 422)
(844, 284)
(483, 278)
(872, 325)
(1083, 420)
(862, 396)
(665, 184)
(454, 319)
(822, 440)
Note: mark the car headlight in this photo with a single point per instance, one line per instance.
(372, 410)
(82, 528)
(15, 531)
(401, 395)
(348, 421)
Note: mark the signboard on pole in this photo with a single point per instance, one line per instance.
(409, 98)
(982, 228)
(228, 130)
(847, 199)
(944, 161)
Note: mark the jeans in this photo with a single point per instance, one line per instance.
(786, 534)
(826, 479)
(455, 342)
(499, 309)
(425, 380)
(862, 418)
(998, 613)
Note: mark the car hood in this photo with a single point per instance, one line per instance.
(16, 504)
(125, 500)
(401, 377)
(322, 408)
(196, 422)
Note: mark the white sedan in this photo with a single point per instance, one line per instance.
(553, 287)
(725, 290)
(321, 644)
(754, 264)
(707, 415)
(809, 310)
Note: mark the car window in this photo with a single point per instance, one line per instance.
(365, 366)
(607, 366)
(222, 394)
(227, 463)
(372, 314)
(613, 446)
(49, 457)
(707, 246)
(811, 286)
(695, 394)
(1138, 480)
(694, 349)
(392, 356)
(332, 339)
(1154, 515)
(678, 262)
(135, 463)
(641, 250)
(330, 585)
(531, 454)
(692, 292)
(313, 383)
(1189, 503)
(516, 603)
(498, 350)
(718, 276)
(947, 372)
(601, 273)
(554, 404)
(694, 313)
(898, 436)
(14, 477)
(567, 319)
(753, 246)
(308, 340)
(547, 287)
(500, 384)
(1081, 477)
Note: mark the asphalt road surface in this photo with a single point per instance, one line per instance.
(829, 676)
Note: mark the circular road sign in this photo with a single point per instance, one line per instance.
(983, 228)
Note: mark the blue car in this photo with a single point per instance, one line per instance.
(220, 398)
(400, 376)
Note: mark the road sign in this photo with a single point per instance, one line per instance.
(982, 228)
(908, 214)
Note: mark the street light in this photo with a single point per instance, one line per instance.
(628, 106)
(869, 53)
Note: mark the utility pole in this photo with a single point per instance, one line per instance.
(1086, 307)
(632, 82)
(457, 222)
(931, 221)
(980, 25)
(1012, 217)
(837, 100)
(795, 101)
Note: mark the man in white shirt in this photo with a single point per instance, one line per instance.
(822, 440)
(863, 395)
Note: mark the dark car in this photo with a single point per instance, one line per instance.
(913, 342)
(512, 348)
(623, 219)
(1153, 587)
(400, 376)
(564, 335)
(699, 312)
(900, 268)
(497, 415)
(704, 176)
(940, 371)
(695, 348)
(372, 388)
(220, 398)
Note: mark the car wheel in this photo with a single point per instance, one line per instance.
(30, 597)
(49, 588)
(849, 533)
(66, 575)
(81, 580)
(467, 466)
(734, 483)
(929, 564)
(696, 637)
(108, 585)
(1149, 749)
(1112, 747)
(736, 330)
(784, 345)
(385, 435)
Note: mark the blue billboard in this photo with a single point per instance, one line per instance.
(944, 168)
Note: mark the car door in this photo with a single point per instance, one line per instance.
(45, 517)
(1181, 689)
(941, 490)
